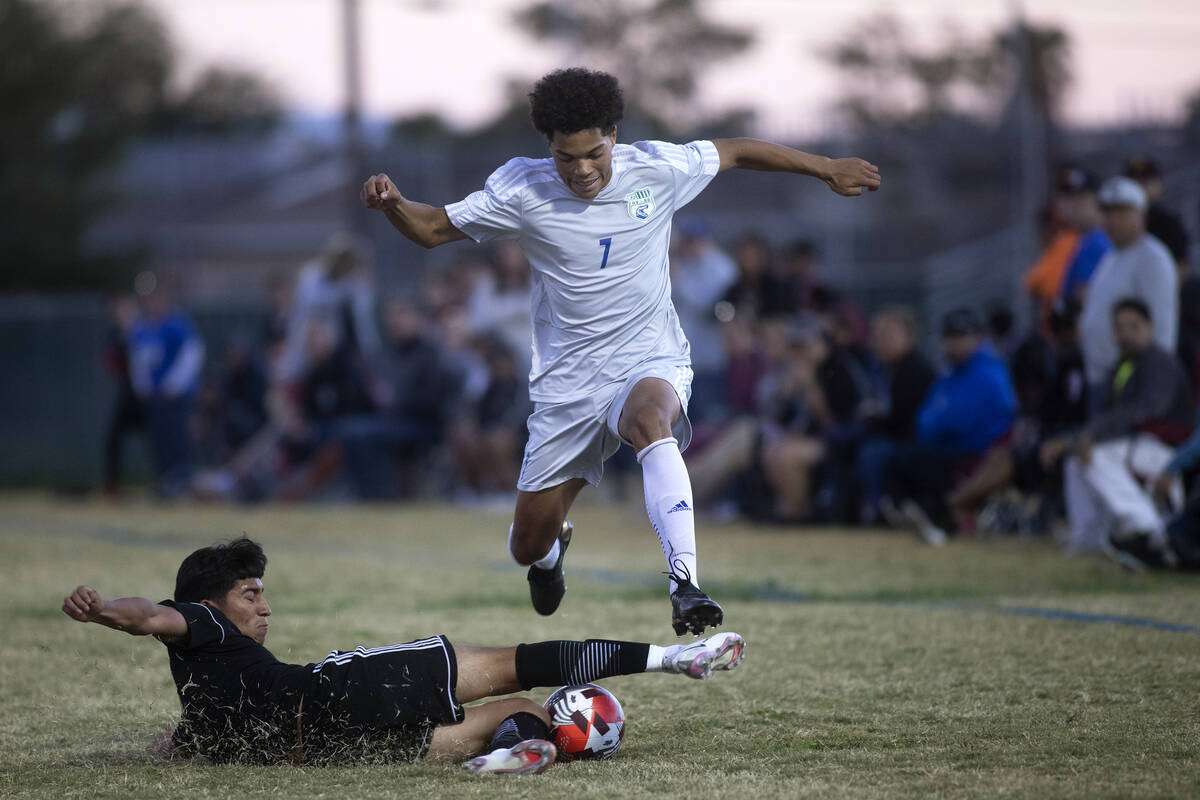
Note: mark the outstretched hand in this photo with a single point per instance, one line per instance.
(83, 604)
(849, 176)
(379, 192)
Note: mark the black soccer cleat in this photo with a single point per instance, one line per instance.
(691, 609)
(546, 586)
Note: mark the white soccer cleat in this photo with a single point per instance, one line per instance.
(530, 757)
(699, 659)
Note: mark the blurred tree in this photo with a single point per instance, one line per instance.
(427, 126)
(72, 97)
(75, 91)
(658, 49)
(223, 100)
(893, 82)
(1039, 55)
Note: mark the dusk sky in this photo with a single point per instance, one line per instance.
(453, 56)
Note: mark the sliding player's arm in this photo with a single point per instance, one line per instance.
(846, 176)
(421, 224)
(134, 615)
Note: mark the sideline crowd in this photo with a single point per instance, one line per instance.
(804, 409)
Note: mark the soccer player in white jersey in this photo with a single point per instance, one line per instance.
(610, 362)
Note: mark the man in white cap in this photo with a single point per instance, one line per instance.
(1138, 266)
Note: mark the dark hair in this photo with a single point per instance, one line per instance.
(210, 572)
(961, 322)
(575, 99)
(1134, 304)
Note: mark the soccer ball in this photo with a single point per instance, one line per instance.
(586, 721)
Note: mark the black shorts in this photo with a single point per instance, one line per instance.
(381, 703)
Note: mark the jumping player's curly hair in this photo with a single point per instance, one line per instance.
(576, 99)
(210, 572)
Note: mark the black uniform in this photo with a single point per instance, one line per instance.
(240, 704)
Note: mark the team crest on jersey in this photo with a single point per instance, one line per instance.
(640, 204)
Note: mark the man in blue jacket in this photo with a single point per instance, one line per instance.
(166, 359)
(966, 411)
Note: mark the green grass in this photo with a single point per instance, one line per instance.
(876, 667)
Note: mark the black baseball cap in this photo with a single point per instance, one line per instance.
(1142, 168)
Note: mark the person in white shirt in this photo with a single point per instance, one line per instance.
(610, 362)
(336, 287)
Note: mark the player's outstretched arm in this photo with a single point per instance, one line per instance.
(846, 176)
(134, 615)
(420, 223)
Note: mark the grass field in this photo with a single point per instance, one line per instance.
(876, 667)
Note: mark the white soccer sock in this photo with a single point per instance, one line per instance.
(545, 562)
(654, 658)
(669, 504)
(550, 559)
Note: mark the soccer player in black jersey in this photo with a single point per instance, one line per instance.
(401, 702)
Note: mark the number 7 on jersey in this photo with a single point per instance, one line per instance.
(606, 243)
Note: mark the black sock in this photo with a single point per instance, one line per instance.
(518, 728)
(562, 663)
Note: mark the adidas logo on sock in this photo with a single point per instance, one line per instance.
(680, 506)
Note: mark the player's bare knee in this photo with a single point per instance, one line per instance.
(529, 543)
(647, 423)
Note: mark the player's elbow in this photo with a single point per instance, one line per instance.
(430, 238)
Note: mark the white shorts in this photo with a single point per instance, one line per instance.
(574, 439)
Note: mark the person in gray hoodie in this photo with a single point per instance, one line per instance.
(1138, 266)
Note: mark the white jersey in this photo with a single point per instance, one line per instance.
(601, 299)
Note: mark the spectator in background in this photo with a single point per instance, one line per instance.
(1002, 329)
(701, 273)
(127, 415)
(416, 396)
(756, 293)
(1189, 327)
(1138, 266)
(486, 441)
(499, 303)
(1081, 209)
(1052, 399)
(166, 356)
(1161, 223)
(1147, 410)
(729, 463)
(966, 411)
(833, 391)
(899, 385)
(847, 325)
(333, 385)
(293, 456)
(790, 404)
(243, 393)
(274, 329)
(336, 287)
(796, 269)
(1044, 279)
(1165, 225)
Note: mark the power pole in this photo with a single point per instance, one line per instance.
(353, 156)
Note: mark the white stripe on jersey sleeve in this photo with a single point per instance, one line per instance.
(220, 627)
(494, 212)
(693, 159)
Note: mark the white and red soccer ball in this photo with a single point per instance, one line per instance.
(586, 721)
